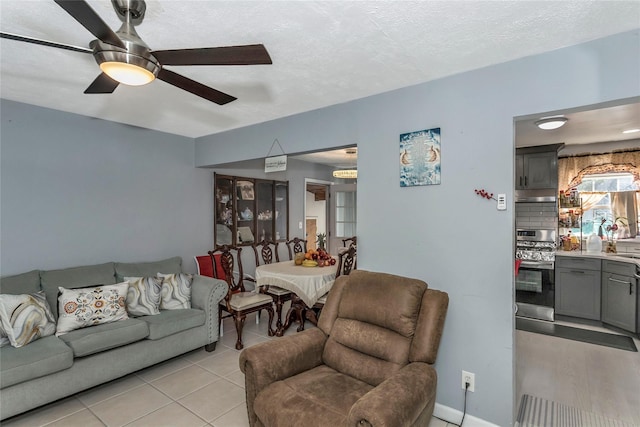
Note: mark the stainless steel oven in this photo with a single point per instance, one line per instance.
(535, 281)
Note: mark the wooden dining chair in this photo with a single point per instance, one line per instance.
(238, 302)
(347, 261)
(349, 241)
(265, 253)
(346, 264)
(296, 245)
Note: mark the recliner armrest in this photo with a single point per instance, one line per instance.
(399, 400)
(206, 294)
(275, 360)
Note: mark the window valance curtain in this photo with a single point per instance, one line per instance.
(572, 169)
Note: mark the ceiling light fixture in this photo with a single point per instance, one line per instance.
(631, 131)
(550, 123)
(346, 173)
(123, 67)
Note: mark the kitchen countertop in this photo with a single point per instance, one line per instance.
(601, 255)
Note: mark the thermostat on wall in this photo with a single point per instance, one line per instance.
(502, 202)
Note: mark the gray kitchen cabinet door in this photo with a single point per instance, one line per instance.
(578, 293)
(619, 301)
(541, 170)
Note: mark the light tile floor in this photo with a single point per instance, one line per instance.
(586, 376)
(193, 390)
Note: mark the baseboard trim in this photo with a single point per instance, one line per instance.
(454, 416)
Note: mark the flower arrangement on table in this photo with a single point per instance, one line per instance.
(611, 231)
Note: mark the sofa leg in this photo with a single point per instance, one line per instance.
(211, 346)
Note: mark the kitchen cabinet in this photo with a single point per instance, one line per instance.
(577, 291)
(619, 294)
(536, 170)
(248, 210)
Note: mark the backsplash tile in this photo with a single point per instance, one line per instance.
(536, 215)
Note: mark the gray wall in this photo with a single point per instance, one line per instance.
(76, 191)
(446, 234)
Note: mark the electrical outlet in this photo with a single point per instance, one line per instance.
(468, 377)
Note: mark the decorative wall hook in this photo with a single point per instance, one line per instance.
(483, 193)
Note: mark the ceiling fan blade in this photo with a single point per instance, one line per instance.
(227, 55)
(102, 84)
(84, 14)
(44, 42)
(194, 87)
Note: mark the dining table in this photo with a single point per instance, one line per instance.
(308, 284)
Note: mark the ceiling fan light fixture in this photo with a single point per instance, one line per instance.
(346, 173)
(126, 68)
(550, 123)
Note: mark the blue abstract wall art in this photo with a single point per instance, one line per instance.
(420, 158)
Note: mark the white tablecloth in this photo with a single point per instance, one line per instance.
(309, 283)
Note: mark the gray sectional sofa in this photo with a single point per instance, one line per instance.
(53, 367)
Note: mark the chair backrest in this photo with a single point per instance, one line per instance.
(349, 241)
(224, 259)
(347, 261)
(377, 323)
(296, 245)
(265, 252)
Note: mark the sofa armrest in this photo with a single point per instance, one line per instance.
(275, 360)
(399, 400)
(206, 294)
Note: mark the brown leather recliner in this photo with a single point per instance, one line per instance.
(368, 363)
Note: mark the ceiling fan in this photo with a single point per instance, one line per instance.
(124, 58)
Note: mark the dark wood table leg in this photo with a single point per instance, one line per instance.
(297, 309)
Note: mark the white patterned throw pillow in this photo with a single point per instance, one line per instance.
(25, 318)
(176, 291)
(82, 307)
(143, 297)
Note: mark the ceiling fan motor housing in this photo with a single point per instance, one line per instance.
(137, 52)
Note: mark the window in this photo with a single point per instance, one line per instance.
(596, 193)
(345, 213)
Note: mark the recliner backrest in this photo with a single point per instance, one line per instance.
(371, 322)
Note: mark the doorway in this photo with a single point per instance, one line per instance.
(316, 211)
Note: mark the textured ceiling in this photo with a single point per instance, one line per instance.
(323, 53)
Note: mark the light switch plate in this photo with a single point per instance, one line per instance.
(502, 202)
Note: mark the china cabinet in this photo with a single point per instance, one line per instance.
(249, 210)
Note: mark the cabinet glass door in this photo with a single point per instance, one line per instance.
(265, 210)
(246, 208)
(224, 210)
(281, 211)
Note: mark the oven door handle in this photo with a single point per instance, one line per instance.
(542, 265)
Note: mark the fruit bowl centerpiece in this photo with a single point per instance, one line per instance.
(318, 257)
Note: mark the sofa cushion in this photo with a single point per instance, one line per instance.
(82, 307)
(76, 277)
(103, 337)
(313, 393)
(25, 283)
(26, 318)
(143, 296)
(169, 322)
(42, 357)
(145, 269)
(176, 291)
(372, 341)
